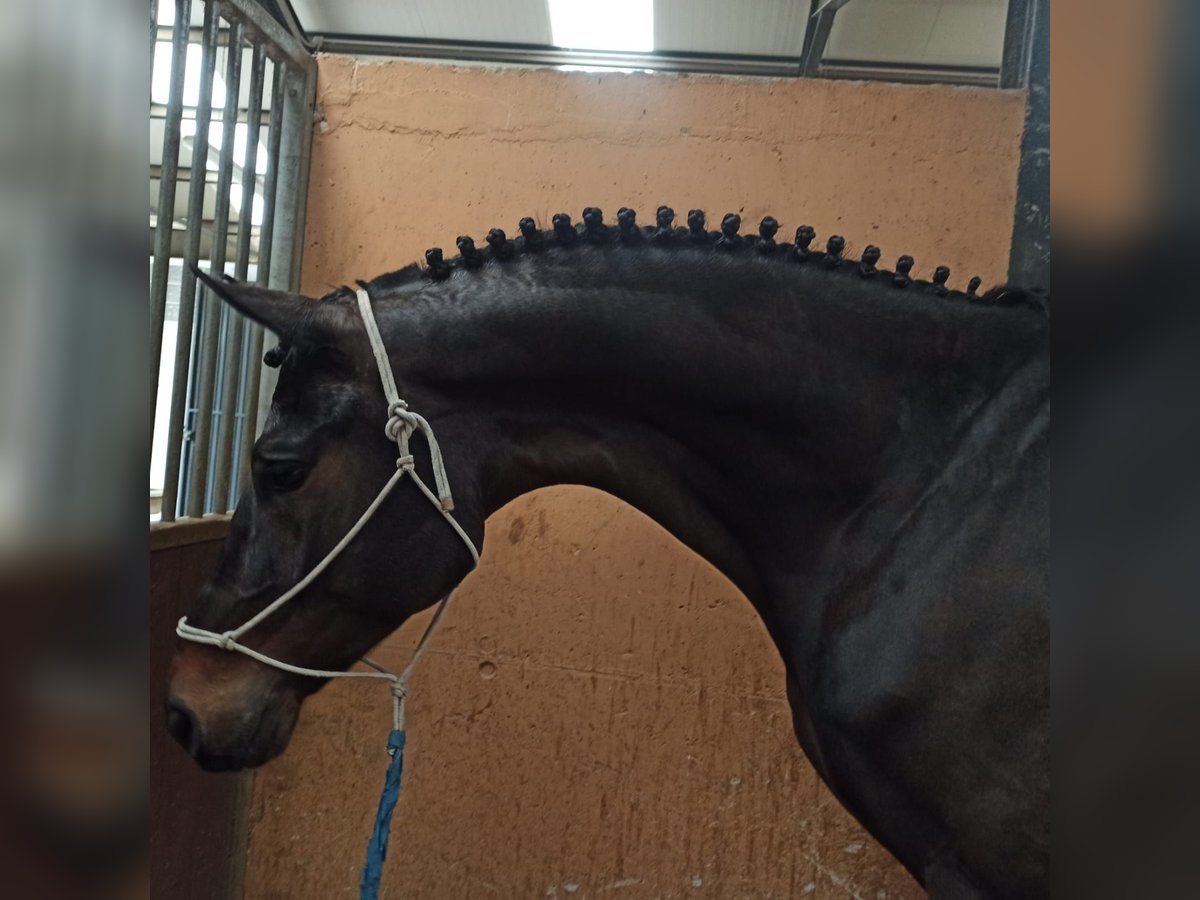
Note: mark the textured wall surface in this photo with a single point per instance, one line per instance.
(602, 714)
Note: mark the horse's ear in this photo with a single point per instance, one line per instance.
(294, 317)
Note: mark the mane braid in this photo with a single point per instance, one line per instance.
(564, 234)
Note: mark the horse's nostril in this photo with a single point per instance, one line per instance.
(181, 722)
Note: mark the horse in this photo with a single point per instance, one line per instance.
(864, 454)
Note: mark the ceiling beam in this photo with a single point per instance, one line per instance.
(524, 54)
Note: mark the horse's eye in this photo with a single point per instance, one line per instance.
(283, 476)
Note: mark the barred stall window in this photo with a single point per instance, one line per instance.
(230, 131)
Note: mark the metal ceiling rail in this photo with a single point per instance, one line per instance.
(697, 63)
(858, 70)
(810, 60)
(531, 55)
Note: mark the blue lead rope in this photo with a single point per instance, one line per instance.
(368, 888)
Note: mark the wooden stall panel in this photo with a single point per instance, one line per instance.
(198, 819)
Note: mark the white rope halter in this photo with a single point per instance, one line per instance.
(401, 424)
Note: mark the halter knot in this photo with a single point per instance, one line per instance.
(227, 640)
(406, 462)
(401, 423)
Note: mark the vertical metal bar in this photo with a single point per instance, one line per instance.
(266, 236)
(250, 161)
(1029, 258)
(213, 308)
(299, 100)
(233, 339)
(191, 251)
(305, 126)
(168, 176)
(1175, 198)
(820, 26)
(154, 26)
(1018, 42)
(294, 154)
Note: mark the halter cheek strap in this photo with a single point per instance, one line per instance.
(401, 423)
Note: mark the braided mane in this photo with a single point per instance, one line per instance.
(564, 234)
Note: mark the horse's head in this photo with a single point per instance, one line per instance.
(320, 461)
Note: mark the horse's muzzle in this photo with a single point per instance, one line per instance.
(182, 724)
(231, 720)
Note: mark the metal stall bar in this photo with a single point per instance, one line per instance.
(168, 176)
(191, 252)
(234, 336)
(266, 237)
(820, 26)
(299, 79)
(213, 309)
(1019, 27)
(299, 98)
(1029, 261)
(201, 442)
(154, 25)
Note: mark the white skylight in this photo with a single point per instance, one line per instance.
(619, 25)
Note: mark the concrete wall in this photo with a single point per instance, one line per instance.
(602, 714)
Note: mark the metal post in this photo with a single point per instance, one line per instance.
(820, 26)
(233, 340)
(1175, 201)
(299, 98)
(168, 177)
(1018, 43)
(210, 331)
(191, 252)
(1029, 261)
(266, 236)
(299, 101)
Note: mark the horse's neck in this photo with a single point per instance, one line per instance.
(741, 406)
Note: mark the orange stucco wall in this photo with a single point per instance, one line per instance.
(602, 714)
